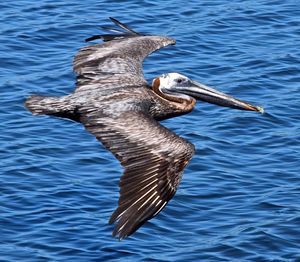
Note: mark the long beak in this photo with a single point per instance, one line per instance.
(210, 95)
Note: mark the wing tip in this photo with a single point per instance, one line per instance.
(121, 231)
(126, 224)
(94, 37)
(127, 32)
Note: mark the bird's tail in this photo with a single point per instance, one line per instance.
(47, 105)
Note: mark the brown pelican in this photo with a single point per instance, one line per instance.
(114, 102)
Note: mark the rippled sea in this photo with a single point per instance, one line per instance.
(239, 199)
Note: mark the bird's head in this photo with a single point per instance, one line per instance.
(175, 84)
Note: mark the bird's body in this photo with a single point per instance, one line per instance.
(114, 102)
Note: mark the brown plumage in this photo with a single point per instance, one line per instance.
(114, 102)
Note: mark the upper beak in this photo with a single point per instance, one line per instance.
(210, 95)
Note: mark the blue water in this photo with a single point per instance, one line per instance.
(239, 199)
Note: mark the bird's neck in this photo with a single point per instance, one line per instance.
(182, 101)
(173, 104)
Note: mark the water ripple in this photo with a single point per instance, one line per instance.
(239, 197)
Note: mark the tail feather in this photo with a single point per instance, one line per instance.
(42, 105)
(36, 105)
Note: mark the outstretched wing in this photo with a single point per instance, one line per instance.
(153, 158)
(118, 61)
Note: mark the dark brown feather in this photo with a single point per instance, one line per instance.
(151, 177)
(116, 63)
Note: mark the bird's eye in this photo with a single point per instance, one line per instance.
(179, 80)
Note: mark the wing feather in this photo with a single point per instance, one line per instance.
(152, 173)
(117, 62)
(153, 157)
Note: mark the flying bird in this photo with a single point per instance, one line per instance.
(115, 103)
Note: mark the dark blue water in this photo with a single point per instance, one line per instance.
(239, 199)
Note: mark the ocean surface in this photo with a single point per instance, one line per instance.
(239, 199)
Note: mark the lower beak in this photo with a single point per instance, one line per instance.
(210, 95)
